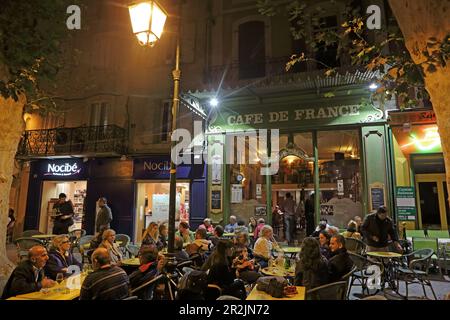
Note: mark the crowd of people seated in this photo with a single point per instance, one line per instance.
(231, 256)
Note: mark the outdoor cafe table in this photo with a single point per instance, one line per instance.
(256, 294)
(278, 272)
(293, 251)
(133, 262)
(389, 269)
(58, 292)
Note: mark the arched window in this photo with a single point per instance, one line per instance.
(252, 50)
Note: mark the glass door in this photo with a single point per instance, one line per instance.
(431, 199)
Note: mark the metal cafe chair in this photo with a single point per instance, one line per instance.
(30, 233)
(331, 291)
(355, 246)
(25, 244)
(362, 274)
(417, 271)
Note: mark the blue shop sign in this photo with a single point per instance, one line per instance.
(60, 169)
(158, 168)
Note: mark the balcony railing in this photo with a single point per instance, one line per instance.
(273, 71)
(107, 140)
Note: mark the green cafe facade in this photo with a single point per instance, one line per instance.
(335, 145)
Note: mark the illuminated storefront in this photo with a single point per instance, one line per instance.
(419, 170)
(333, 153)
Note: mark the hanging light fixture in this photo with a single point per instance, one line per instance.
(147, 20)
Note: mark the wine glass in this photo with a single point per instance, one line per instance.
(59, 278)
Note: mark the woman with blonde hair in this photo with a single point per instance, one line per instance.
(108, 243)
(151, 236)
(351, 231)
(60, 258)
(264, 245)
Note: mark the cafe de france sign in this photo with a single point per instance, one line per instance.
(295, 117)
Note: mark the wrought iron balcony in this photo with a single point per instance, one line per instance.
(273, 72)
(100, 140)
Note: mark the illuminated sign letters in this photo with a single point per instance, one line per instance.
(66, 169)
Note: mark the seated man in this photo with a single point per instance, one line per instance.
(107, 282)
(200, 240)
(151, 266)
(28, 276)
(184, 232)
(180, 254)
(340, 262)
(217, 235)
(229, 228)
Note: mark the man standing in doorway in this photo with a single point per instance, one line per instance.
(379, 231)
(288, 207)
(63, 215)
(104, 216)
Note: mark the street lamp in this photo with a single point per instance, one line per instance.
(147, 20)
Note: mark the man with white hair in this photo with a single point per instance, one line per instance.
(229, 228)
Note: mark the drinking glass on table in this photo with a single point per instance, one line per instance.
(59, 279)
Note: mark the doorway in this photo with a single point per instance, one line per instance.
(431, 195)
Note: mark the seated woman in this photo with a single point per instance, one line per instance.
(108, 243)
(151, 237)
(263, 246)
(151, 265)
(244, 266)
(311, 270)
(351, 231)
(242, 240)
(324, 241)
(220, 271)
(60, 258)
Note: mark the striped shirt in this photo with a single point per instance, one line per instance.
(109, 283)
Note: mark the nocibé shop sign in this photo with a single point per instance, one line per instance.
(246, 118)
(58, 169)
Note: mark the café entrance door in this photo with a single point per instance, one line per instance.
(432, 195)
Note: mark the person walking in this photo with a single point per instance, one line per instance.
(104, 215)
(288, 208)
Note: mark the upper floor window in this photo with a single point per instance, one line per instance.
(99, 114)
(327, 54)
(252, 50)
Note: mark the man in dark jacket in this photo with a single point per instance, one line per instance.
(63, 217)
(28, 276)
(150, 267)
(378, 230)
(104, 215)
(340, 262)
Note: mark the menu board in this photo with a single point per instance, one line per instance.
(376, 197)
(216, 200)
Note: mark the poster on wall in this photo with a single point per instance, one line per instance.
(260, 211)
(160, 207)
(340, 187)
(406, 204)
(377, 196)
(258, 191)
(236, 193)
(216, 200)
